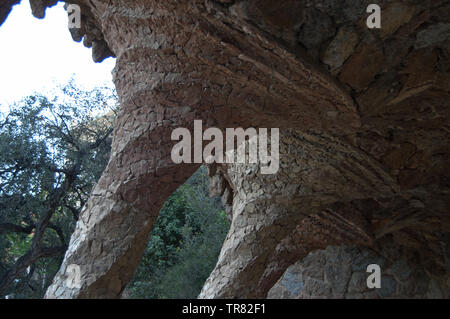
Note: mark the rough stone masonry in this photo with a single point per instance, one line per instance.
(364, 142)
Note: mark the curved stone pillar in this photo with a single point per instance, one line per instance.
(327, 193)
(113, 228)
(277, 219)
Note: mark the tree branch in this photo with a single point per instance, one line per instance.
(58, 231)
(8, 227)
(36, 251)
(25, 261)
(100, 141)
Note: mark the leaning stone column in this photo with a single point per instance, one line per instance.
(113, 228)
(278, 219)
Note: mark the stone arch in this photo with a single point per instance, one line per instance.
(374, 119)
(173, 80)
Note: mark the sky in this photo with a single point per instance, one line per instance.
(36, 55)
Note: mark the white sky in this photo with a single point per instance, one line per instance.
(38, 54)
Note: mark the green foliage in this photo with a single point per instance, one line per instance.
(184, 245)
(46, 143)
(19, 245)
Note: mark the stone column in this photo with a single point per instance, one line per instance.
(113, 228)
(308, 205)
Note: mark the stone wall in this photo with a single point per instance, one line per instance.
(340, 272)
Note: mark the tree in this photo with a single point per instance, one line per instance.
(184, 245)
(52, 152)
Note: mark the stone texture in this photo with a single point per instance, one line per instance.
(38, 7)
(394, 16)
(5, 8)
(403, 277)
(364, 119)
(317, 27)
(291, 223)
(363, 66)
(341, 47)
(434, 34)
